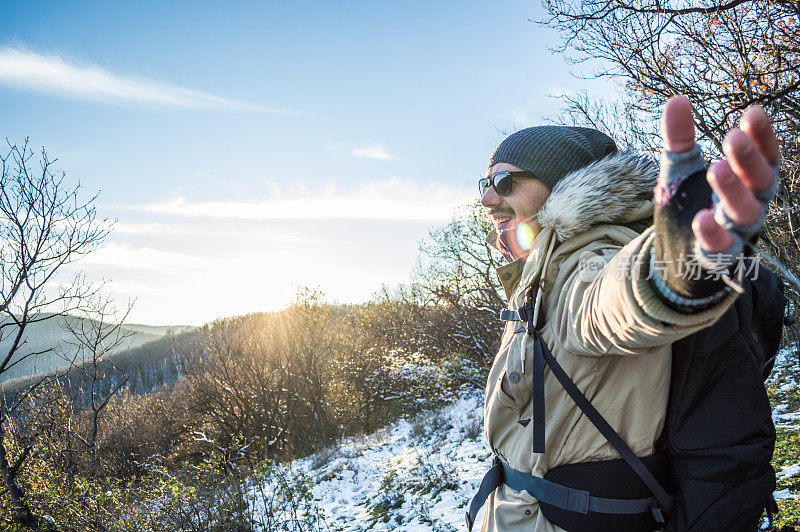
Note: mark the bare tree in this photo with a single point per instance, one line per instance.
(620, 119)
(93, 338)
(44, 225)
(724, 56)
(241, 386)
(455, 296)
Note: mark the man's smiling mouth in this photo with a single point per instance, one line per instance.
(501, 220)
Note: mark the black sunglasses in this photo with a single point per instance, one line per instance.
(501, 182)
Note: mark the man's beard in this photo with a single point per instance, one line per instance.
(506, 243)
(506, 237)
(515, 240)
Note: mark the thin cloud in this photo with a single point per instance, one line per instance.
(374, 151)
(51, 74)
(387, 200)
(172, 230)
(141, 258)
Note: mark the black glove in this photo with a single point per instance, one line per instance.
(685, 276)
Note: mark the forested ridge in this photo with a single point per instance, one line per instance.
(49, 339)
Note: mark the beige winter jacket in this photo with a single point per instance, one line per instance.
(606, 327)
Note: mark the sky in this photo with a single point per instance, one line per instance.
(247, 149)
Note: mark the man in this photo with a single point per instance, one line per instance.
(565, 201)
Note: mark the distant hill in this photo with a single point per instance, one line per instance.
(147, 367)
(51, 333)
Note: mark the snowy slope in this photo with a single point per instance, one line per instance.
(785, 388)
(417, 475)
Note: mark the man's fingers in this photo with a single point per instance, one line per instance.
(758, 127)
(677, 125)
(747, 161)
(738, 201)
(713, 238)
(751, 153)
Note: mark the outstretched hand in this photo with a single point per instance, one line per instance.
(751, 151)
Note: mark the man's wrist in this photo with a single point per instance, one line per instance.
(681, 303)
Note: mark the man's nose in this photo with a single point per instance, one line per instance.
(491, 198)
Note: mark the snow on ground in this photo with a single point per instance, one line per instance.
(789, 471)
(416, 475)
(785, 414)
(781, 418)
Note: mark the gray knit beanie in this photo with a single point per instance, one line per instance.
(551, 152)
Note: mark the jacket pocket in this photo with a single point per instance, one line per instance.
(503, 396)
(515, 387)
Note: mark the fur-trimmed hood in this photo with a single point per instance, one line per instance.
(609, 191)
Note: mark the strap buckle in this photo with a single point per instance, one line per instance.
(522, 314)
(657, 514)
(509, 315)
(531, 305)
